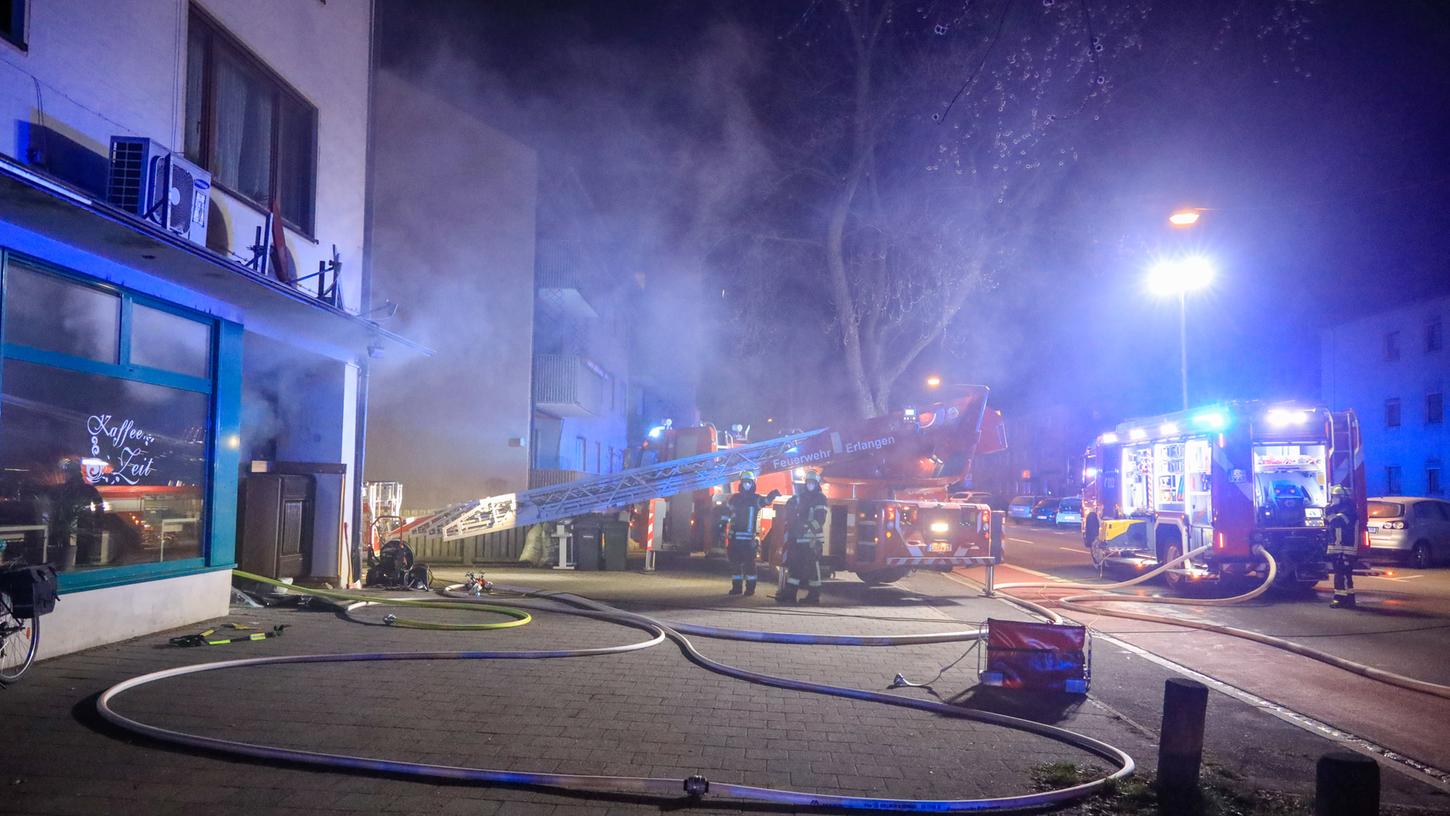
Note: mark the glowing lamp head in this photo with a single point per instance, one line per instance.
(1168, 429)
(1177, 276)
(1137, 434)
(1183, 218)
(1089, 473)
(933, 381)
(1109, 438)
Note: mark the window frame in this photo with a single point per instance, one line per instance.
(1434, 335)
(1392, 345)
(1394, 414)
(1434, 483)
(1394, 480)
(18, 30)
(215, 33)
(1435, 408)
(219, 419)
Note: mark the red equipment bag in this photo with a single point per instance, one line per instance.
(1037, 656)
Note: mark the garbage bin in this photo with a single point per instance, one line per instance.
(616, 545)
(587, 532)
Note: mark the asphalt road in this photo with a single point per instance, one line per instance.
(1402, 625)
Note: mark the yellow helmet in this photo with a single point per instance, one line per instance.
(747, 475)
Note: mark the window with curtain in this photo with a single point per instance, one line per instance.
(256, 135)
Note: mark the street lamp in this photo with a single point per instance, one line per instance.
(1180, 276)
(933, 381)
(1184, 218)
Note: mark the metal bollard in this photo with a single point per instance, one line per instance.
(1180, 745)
(1346, 784)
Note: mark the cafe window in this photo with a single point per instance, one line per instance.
(256, 135)
(104, 427)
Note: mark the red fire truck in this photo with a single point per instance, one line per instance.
(886, 479)
(1231, 477)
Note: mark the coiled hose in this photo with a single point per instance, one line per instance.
(1077, 603)
(695, 786)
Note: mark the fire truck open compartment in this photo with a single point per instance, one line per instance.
(1290, 484)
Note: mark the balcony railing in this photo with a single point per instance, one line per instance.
(568, 385)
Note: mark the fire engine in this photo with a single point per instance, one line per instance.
(886, 478)
(886, 481)
(1230, 477)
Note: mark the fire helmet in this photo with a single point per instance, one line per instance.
(813, 479)
(747, 481)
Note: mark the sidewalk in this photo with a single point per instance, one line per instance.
(648, 713)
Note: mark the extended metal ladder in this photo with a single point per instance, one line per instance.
(615, 490)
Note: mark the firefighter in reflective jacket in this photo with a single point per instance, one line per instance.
(1342, 521)
(743, 511)
(804, 537)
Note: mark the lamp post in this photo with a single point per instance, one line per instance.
(1179, 276)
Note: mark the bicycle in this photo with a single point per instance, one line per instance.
(26, 593)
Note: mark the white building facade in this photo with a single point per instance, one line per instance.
(183, 205)
(1393, 369)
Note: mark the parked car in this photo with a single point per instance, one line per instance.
(1409, 530)
(1069, 511)
(1020, 508)
(1045, 511)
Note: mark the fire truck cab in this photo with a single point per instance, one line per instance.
(1231, 477)
(883, 537)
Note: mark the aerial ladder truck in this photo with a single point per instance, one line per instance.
(886, 479)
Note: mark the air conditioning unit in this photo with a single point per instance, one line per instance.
(151, 182)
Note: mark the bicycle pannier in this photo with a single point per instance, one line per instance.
(32, 590)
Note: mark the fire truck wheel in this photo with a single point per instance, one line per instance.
(883, 576)
(1171, 550)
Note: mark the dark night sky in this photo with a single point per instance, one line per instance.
(1326, 175)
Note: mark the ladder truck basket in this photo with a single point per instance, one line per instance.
(1036, 656)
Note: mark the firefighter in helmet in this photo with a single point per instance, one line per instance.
(743, 511)
(804, 536)
(1342, 520)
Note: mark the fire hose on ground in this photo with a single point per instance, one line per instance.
(693, 787)
(1102, 594)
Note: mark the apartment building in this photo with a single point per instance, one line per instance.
(1393, 369)
(182, 222)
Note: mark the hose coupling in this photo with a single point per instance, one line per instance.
(696, 785)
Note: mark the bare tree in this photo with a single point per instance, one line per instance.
(926, 142)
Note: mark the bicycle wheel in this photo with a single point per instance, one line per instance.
(18, 641)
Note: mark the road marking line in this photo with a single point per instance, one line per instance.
(1409, 767)
(1078, 550)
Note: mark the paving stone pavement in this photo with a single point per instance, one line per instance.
(646, 713)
